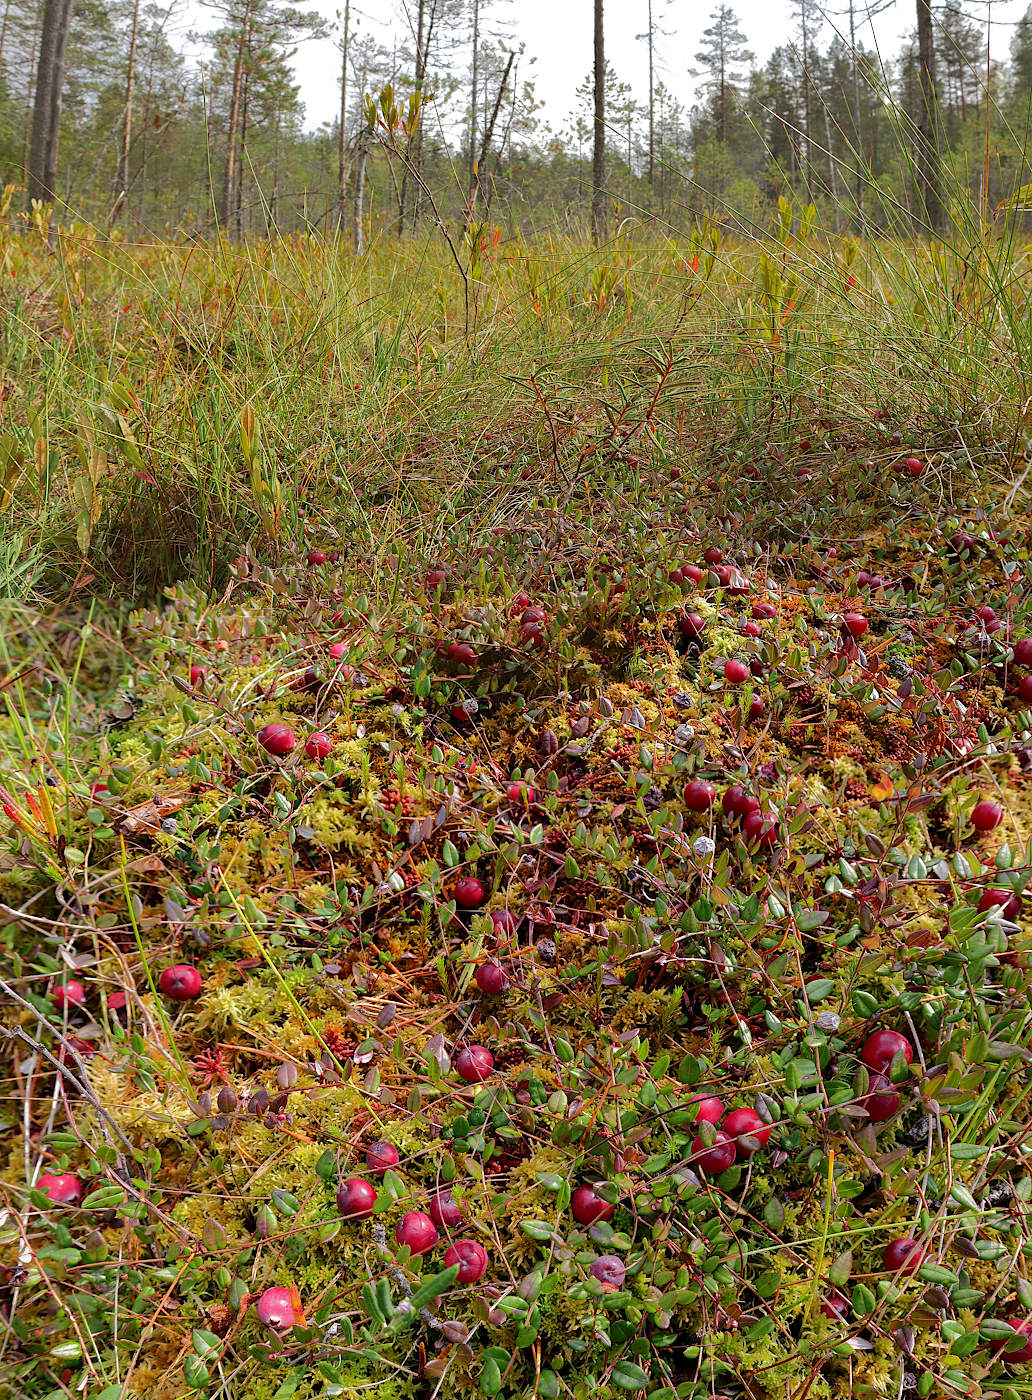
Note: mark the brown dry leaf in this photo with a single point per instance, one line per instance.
(146, 818)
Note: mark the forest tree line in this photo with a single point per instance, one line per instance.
(115, 112)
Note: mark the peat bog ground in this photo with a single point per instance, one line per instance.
(518, 803)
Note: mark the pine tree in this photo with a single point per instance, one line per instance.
(721, 56)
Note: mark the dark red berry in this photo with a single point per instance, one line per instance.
(716, 1158)
(417, 1230)
(882, 1100)
(698, 795)
(277, 739)
(735, 671)
(986, 816)
(181, 982)
(587, 1206)
(318, 745)
(381, 1157)
(471, 1258)
(355, 1198)
(474, 1064)
(902, 1255)
(444, 1211)
(746, 1122)
(491, 978)
(881, 1047)
(470, 893)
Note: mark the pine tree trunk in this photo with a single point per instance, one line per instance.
(929, 185)
(358, 214)
(474, 80)
(342, 145)
(46, 107)
(652, 105)
(230, 173)
(598, 158)
(122, 179)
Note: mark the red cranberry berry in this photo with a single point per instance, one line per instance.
(716, 1158)
(913, 466)
(698, 795)
(763, 611)
(732, 800)
(760, 828)
(588, 1206)
(1006, 900)
(474, 1064)
(835, 1307)
(471, 1258)
(462, 653)
(756, 708)
(1023, 652)
(1025, 689)
(708, 1109)
(713, 555)
(316, 557)
(355, 1198)
(381, 1157)
(417, 1230)
(198, 674)
(902, 1255)
(504, 922)
(880, 1048)
(882, 1100)
(743, 1123)
(986, 816)
(277, 739)
(855, 624)
(70, 993)
(63, 1188)
(610, 1272)
(318, 745)
(470, 893)
(1015, 1355)
(691, 625)
(520, 794)
(275, 1308)
(735, 671)
(692, 572)
(491, 978)
(444, 1210)
(181, 982)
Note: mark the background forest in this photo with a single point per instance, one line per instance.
(172, 129)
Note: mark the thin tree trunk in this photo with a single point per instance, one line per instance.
(46, 107)
(485, 145)
(807, 97)
(928, 173)
(652, 106)
(474, 80)
(245, 108)
(122, 179)
(598, 158)
(358, 213)
(342, 145)
(857, 117)
(229, 177)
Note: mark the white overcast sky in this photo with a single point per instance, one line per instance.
(557, 35)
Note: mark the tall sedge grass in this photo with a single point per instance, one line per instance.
(379, 418)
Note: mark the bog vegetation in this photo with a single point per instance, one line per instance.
(516, 789)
